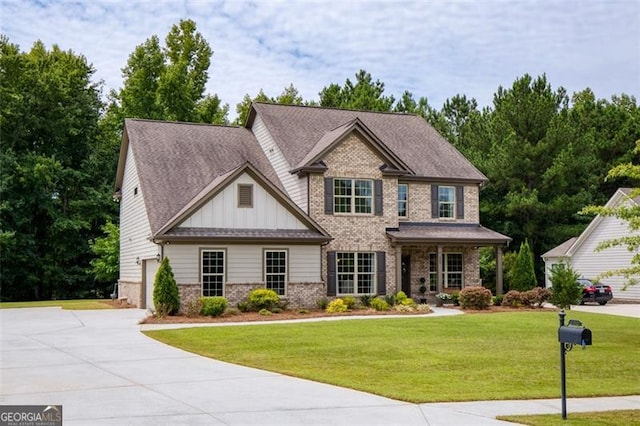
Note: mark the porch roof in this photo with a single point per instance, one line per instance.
(220, 235)
(445, 233)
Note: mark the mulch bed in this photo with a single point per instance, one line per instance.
(290, 314)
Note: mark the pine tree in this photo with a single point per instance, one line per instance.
(565, 288)
(522, 276)
(166, 296)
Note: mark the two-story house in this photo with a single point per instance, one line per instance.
(310, 202)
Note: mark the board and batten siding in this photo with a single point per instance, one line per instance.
(589, 263)
(134, 225)
(244, 263)
(222, 211)
(295, 187)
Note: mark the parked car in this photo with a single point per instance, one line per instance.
(598, 293)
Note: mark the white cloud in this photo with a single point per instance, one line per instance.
(434, 49)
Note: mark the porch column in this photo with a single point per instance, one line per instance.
(439, 269)
(398, 268)
(499, 285)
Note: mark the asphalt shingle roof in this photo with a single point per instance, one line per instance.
(446, 233)
(176, 161)
(298, 129)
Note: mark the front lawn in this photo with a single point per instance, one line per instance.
(79, 304)
(422, 359)
(601, 418)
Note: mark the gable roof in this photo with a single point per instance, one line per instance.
(314, 232)
(299, 129)
(177, 161)
(569, 247)
(331, 138)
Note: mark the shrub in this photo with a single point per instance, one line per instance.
(475, 297)
(522, 276)
(536, 297)
(262, 298)
(166, 297)
(243, 306)
(230, 312)
(336, 305)
(497, 300)
(408, 302)
(401, 296)
(265, 312)
(455, 298)
(390, 299)
(424, 308)
(539, 296)
(213, 306)
(350, 301)
(565, 290)
(193, 308)
(366, 300)
(322, 303)
(512, 299)
(380, 304)
(401, 307)
(277, 310)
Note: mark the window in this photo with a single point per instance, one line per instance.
(446, 201)
(433, 272)
(245, 195)
(451, 270)
(355, 273)
(213, 273)
(403, 192)
(275, 270)
(352, 196)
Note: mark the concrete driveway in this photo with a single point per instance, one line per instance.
(103, 371)
(621, 309)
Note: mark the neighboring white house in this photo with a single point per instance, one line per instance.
(580, 252)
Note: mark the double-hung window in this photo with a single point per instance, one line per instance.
(275, 270)
(213, 272)
(403, 196)
(355, 273)
(446, 201)
(452, 271)
(352, 196)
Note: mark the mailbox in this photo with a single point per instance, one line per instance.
(574, 335)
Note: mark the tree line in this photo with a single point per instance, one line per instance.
(546, 153)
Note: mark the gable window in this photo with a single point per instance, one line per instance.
(446, 201)
(452, 273)
(245, 195)
(355, 273)
(213, 272)
(275, 270)
(403, 195)
(352, 196)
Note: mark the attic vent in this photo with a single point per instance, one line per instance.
(245, 195)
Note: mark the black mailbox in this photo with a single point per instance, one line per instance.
(574, 335)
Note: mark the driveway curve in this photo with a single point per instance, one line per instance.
(103, 371)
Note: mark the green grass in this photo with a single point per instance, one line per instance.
(601, 418)
(422, 359)
(79, 304)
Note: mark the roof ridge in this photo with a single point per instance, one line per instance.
(190, 123)
(407, 114)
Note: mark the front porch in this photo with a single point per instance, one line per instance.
(437, 258)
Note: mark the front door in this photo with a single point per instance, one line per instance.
(406, 275)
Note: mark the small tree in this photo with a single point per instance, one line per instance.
(106, 265)
(566, 290)
(166, 296)
(522, 276)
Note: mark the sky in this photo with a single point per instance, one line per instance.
(435, 49)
